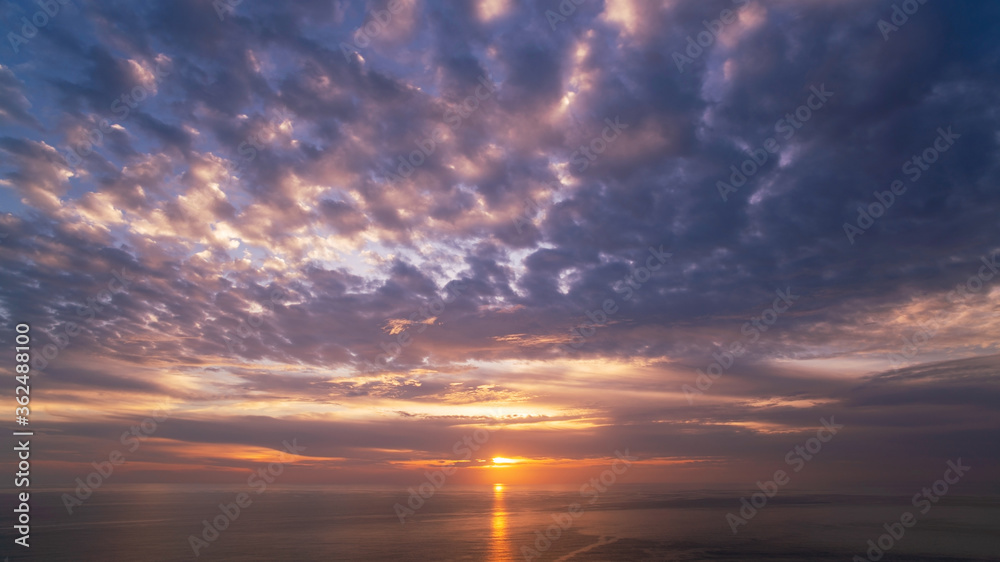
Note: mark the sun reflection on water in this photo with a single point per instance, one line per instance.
(499, 541)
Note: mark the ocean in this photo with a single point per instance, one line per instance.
(496, 523)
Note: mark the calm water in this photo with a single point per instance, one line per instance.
(629, 522)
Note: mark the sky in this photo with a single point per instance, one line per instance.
(420, 234)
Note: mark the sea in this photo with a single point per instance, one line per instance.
(496, 523)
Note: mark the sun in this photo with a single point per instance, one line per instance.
(504, 460)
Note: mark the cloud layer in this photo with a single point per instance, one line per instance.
(374, 230)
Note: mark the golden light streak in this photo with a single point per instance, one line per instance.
(499, 541)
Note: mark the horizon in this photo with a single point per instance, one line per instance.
(382, 344)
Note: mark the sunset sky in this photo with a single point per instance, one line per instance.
(377, 238)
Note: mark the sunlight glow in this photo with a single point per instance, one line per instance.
(499, 539)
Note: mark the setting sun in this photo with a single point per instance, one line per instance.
(504, 460)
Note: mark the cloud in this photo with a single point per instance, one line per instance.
(268, 161)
